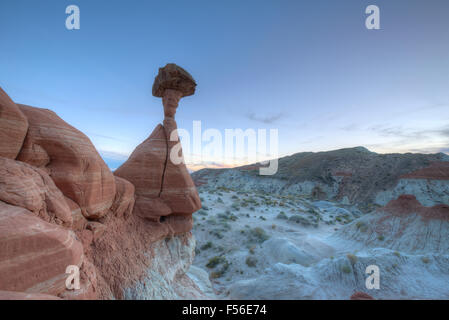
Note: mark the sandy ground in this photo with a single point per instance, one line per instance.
(241, 234)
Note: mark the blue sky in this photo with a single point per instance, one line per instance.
(307, 68)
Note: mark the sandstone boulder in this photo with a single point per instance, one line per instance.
(31, 188)
(145, 170)
(178, 189)
(70, 159)
(13, 127)
(162, 187)
(34, 254)
(361, 296)
(173, 77)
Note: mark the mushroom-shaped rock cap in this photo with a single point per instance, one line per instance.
(173, 77)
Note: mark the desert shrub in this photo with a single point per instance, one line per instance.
(346, 269)
(425, 260)
(258, 234)
(381, 238)
(361, 226)
(215, 261)
(397, 254)
(227, 217)
(251, 261)
(221, 271)
(222, 216)
(226, 226)
(216, 274)
(202, 212)
(234, 197)
(262, 218)
(301, 220)
(217, 234)
(220, 200)
(282, 216)
(352, 258)
(212, 221)
(207, 245)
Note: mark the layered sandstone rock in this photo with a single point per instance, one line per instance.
(13, 295)
(124, 198)
(178, 188)
(13, 127)
(162, 187)
(361, 296)
(32, 188)
(408, 204)
(34, 254)
(70, 159)
(145, 170)
(60, 205)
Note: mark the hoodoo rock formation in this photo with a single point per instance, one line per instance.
(156, 168)
(60, 205)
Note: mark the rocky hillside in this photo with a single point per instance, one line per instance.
(61, 206)
(352, 176)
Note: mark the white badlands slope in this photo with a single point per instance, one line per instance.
(259, 246)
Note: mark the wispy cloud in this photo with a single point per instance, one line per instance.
(407, 133)
(104, 136)
(113, 155)
(264, 118)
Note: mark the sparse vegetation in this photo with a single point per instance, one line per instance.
(352, 258)
(346, 269)
(282, 216)
(361, 226)
(258, 234)
(215, 261)
(207, 245)
(301, 220)
(251, 261)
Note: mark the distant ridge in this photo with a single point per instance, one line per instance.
(354, 174)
